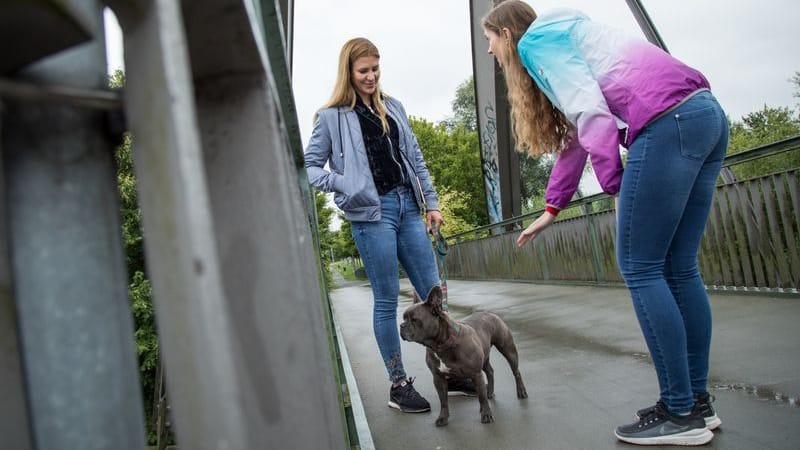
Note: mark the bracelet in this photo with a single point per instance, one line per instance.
(552, 210)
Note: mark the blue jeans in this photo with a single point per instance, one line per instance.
(664, 203)
(400, 234)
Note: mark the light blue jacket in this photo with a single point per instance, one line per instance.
(336, 140)
(604, 82)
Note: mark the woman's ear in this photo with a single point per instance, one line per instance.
(506, 35)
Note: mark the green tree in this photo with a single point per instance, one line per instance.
(760, 128)
(533, 175)
(464, 111)
(533, 171)
(139, 290)
(343, 243)
(454, 161)
(450, 202)
(326, 237)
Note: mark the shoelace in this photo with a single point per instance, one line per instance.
(651, 416)
(408, 390)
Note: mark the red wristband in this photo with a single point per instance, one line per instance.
(552, 210)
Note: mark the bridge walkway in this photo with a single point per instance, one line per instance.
(586, 369)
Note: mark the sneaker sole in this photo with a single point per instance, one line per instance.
(713, 422)
(460, 394)
(407, 410)
(688, 438)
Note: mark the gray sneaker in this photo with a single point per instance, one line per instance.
(659, 427)
(702, 406)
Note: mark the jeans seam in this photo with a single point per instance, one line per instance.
(628, 222)
(656, 353)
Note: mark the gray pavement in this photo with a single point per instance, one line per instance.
(586, 369)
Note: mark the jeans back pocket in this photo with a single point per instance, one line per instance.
(699, 131)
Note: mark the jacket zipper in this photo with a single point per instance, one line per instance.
(391, 154)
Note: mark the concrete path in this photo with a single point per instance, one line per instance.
(586, 369)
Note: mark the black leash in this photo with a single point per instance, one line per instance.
(442, 248)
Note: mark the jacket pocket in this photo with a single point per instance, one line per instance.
(355, 197)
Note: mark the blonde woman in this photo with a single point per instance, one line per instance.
(580, 89)
(380, 180)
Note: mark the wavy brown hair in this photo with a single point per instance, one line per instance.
(539, 127)
(344, 94)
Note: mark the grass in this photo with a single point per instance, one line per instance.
(345, 269)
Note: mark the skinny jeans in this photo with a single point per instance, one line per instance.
(664, 203)
(400, 235)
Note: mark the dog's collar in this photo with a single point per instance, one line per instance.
(453, 333)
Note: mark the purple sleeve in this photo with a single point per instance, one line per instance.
(555, 62)
(566, 175)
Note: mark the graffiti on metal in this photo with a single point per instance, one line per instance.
(491, 172)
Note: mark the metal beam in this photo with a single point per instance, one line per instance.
(31, 30)
(67, 263)
(14, 426)
(497, 150)
(646, 24)
(194, 327)
(65, 95)
(234, 279)
(269, 272)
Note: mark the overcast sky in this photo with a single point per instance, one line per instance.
(747, 49)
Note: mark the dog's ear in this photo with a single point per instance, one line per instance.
(416, 298)
(434, 300)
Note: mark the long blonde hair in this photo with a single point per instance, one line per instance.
(344, 94)
(539, 127)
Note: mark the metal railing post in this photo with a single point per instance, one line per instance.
(67, 264)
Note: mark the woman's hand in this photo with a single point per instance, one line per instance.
(434, 221)
(533, 230)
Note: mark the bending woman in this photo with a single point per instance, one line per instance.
(581, 90)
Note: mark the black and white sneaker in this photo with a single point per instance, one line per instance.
(659, 427)
(702, 406)
(405, 398)
(461, 386)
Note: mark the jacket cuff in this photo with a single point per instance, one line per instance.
(337, 182)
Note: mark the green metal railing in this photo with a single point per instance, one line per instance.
(752, 241)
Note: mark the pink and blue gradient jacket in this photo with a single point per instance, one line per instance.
(609, 86)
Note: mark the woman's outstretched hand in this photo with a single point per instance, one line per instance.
(533, 230)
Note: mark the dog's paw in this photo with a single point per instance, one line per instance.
(522, 392)
(487, 418)
(441, 421)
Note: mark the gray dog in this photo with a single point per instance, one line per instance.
(460, 349)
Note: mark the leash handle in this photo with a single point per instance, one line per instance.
(442, 248)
